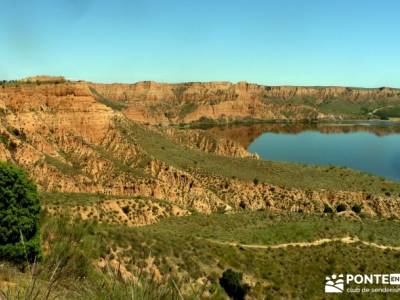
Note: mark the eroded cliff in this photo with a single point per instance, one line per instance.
(70, 138)
(157, 103)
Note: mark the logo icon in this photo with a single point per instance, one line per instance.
(334, 284)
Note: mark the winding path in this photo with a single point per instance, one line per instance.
(379, 108)
(345, 240)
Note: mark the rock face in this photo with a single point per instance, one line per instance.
(69, 140)
(156, 103)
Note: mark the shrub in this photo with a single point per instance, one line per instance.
(19, 215)
(255, 181)
(341, 207)
(327, 209)
(356, 208)
(125, 209)
(242, 204)
(231, 282)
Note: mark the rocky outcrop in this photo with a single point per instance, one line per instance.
(54, 109)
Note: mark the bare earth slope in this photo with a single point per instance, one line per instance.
(76, 137)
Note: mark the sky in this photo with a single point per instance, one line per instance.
(285, 42)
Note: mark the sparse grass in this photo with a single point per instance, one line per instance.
(73, 199)
(285, 270)
(344, 107)
(389, 112)
(7, 142)
(120, 165)
(263, 227)
(64, 168)
(115, 105)
(182, 250)
(68, 270)
(187, 108)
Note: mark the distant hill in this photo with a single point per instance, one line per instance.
(224, 102)
(44, 78)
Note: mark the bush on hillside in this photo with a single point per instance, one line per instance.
(327, 209)
(341, 207)
(231, 282)
(19, 215)
(356, 208)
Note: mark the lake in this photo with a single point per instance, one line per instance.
(374, 149)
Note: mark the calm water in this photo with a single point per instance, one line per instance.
(363, 150)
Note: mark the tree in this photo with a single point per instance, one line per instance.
(19, 215)
(231, 282)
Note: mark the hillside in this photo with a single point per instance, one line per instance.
(100, 158)
(220, 102)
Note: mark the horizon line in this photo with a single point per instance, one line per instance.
(71, 79)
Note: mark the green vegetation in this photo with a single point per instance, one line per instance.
(69, 170)
(197, 248)
(17, 133)
(266, 228)
(191, 244)
(115, 105)
(232, 283)
(187, 249)
(68, 272)
(341, 207)
(19, 215)
(16, 83)
(357, 208)
(48, 198)
(187, 108)
(290, 175)
(345, 107)
(7, 142)
(120, 165)
(388, 112)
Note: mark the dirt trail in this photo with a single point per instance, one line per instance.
(345, 240)
(379, 108)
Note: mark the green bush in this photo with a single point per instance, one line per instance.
(356, 208)
(19, 215)
(327, 209)
(341, 207)
(231, 282)
(125, 209)
(242, 204)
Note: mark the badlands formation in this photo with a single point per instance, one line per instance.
(121, 140)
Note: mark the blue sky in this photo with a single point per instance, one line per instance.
(314, 42)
